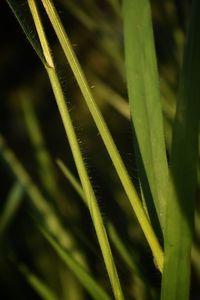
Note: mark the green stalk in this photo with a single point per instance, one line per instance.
(183, 173)
(89, 193)
(104, 132)
(130, 259)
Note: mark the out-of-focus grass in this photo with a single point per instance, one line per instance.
(34, 132)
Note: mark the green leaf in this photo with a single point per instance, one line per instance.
(85, 279)
(145, 104)
(23, 16)
(183, 172)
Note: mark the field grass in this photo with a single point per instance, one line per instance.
(81, 218)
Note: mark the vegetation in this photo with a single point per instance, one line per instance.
(81, 219)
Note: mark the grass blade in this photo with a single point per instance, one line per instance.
(49, 219)
(105, 44)
(104, 132)
(45, 166)
(183, 179)
(71, 135)
(140, 282)
(41, 288)
(73, 181)
(145, 104)
(109, 95)
(86, 280)
(10, 209)
(45, 210)
(20, 10)
(131, 260)
(114, 237)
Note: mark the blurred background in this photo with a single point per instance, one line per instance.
(32, 128)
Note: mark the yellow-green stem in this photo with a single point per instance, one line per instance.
(71, 135)
(105, 133)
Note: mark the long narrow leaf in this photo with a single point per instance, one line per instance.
(183, 175)
(86, 280)
(145, 104)
(20, 10)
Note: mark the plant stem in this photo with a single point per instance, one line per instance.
(88, 190)
(105, 134)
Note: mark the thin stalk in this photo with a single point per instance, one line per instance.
(126, 256)
(105, 133)
(131, 260)
(89, 193)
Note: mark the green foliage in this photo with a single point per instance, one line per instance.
(64, 235)
(145, 105)
(183, 171)
(86, 280)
